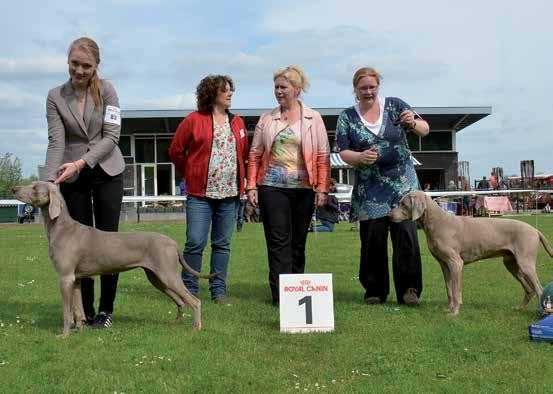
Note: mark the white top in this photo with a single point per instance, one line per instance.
(373, 127)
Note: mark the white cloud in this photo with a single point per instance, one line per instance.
(32, 67)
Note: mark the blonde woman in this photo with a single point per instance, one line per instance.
(84, 125)
(288, 174)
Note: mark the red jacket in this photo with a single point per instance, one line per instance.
(190, 150)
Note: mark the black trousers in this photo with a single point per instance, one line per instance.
(94, 199)
(286, 214)
(406, 260)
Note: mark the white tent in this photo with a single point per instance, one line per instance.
(337, 162)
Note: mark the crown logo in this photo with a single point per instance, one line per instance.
(305, 282)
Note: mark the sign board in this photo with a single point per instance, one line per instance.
(306, 303)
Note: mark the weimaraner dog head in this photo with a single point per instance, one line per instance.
(40, 194)
(411, 207)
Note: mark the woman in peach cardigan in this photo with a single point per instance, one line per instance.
(288, 174)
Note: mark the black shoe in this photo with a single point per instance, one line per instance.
(373, 300)
(410, 297)
(102, 320)
(239, 226)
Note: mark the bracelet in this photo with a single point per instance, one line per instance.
(76, 167)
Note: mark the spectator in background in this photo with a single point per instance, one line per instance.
(240, 211)
(483, 184)
(451, 187)
(182, 187)
(328, 214)
(494, 183)
(427, 187)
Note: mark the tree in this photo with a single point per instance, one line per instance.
(10, 174)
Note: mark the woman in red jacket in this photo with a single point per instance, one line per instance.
(209, 149)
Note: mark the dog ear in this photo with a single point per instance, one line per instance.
(418, 205)
(54, 208)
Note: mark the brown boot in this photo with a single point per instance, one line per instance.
(410, 297)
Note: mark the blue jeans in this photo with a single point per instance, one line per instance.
(325, 227)
(201, 213)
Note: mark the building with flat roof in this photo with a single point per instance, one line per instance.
(146, 136)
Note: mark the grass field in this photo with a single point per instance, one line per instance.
(382, 348)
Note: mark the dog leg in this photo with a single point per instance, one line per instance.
(448, 285)
(456, 271)
(188, 298)
(154, 280)
(528, 269)
(512, 266)
(78, 309)
(66, 287)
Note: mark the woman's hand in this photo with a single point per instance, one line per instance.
(320, 199)
(252, 197)
(67, 170)
(407, 118)
(367, 157)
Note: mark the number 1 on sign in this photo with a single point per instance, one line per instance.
(308, 309)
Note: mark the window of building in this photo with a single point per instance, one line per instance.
(162, 147)
(144, 150)
(437, 141)
(125, 145)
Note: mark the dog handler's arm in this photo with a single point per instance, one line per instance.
(111, 129)
(56, 140)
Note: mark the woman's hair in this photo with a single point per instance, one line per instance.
(89, 46)
(207, 90)
(366, 72)
(295, 76)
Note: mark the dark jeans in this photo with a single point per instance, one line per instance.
(240, 211)
(286, 215)
(95, 199)
(406, 260)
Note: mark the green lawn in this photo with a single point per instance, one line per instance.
(383, 348)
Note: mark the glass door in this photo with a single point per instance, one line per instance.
(148, 180)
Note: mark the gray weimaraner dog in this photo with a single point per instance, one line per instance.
(457, 240)
(79, 251)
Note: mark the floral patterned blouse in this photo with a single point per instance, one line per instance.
(222, 172)
(378, 187)
(286, 167)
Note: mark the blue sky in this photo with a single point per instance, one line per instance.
(436, 53)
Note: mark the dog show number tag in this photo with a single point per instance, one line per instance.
(306, 303)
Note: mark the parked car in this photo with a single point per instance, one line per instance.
(26, 213)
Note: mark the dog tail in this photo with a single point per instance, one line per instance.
(546, 244)
(193, 271)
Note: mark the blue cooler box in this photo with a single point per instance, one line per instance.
(542, 330)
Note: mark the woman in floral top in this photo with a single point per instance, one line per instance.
(372, 137)
(288, 169)
(210, 149)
